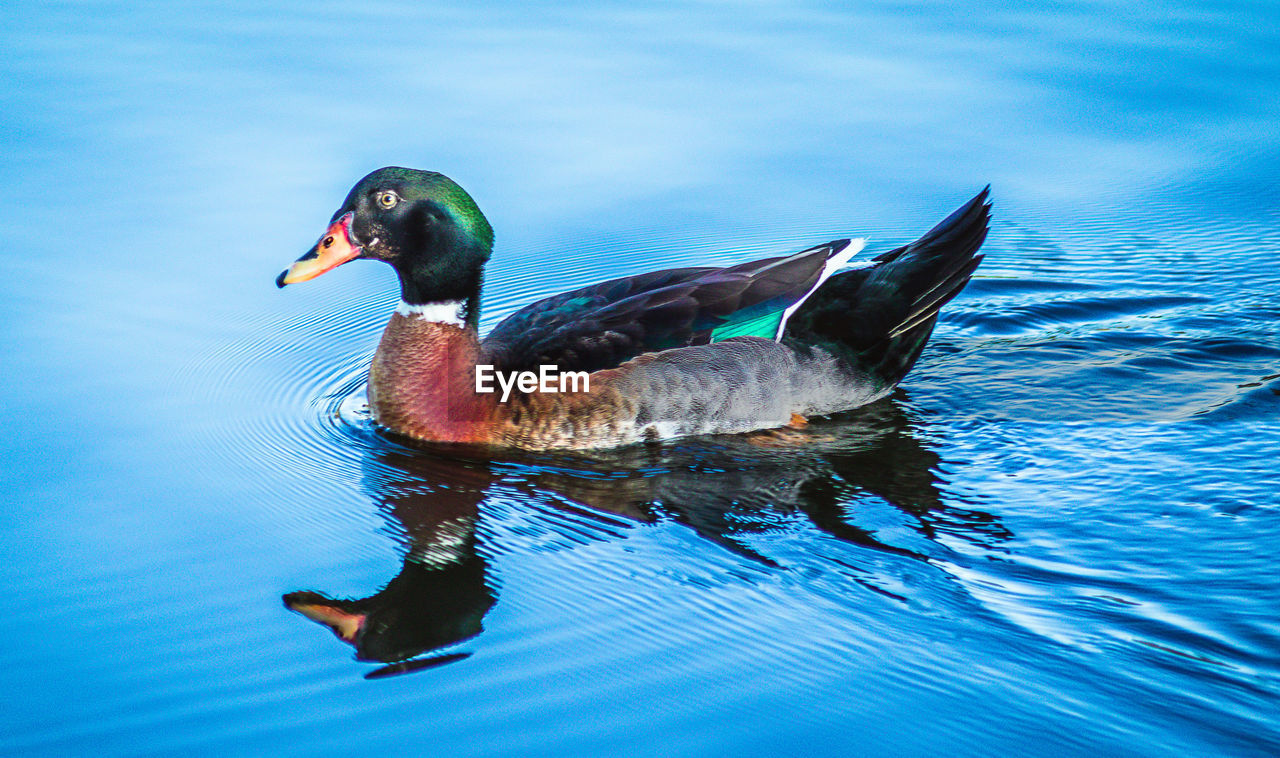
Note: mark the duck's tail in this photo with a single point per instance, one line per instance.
(880, 317)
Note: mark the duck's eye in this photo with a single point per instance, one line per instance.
(388, 199)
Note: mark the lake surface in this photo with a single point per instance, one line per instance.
(1059, 536)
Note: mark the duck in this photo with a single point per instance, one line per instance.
(762, 345)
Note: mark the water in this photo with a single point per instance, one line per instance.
(1056, 539)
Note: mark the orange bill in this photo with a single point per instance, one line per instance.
(334, 249)
(344, 624)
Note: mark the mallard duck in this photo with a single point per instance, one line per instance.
(656, 356)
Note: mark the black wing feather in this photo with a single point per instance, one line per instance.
(879, 318)
(607, 324)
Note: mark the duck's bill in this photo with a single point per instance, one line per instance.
(345, 624)
(334, 249)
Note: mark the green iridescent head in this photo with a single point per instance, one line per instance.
(421, 222)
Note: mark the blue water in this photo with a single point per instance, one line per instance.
(1058, 538)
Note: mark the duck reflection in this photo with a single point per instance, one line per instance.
(441, 594)
(725, 489)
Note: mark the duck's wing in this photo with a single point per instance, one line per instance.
(607, 324)
(880, 317)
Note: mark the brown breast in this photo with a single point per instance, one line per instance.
(422, 382)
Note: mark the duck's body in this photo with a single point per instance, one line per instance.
(422, 385)
(664, 355)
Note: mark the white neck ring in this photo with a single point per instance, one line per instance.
(449, 312)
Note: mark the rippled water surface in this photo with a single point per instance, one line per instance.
(1057, 538)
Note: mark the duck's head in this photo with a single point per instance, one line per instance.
(421, 222)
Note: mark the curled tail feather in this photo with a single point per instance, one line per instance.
(880, 317)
